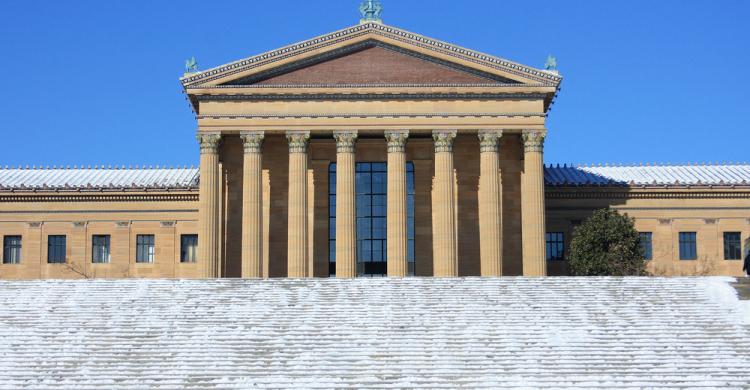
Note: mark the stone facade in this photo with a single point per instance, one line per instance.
(269, 128)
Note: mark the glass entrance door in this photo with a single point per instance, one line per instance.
(371, 208)
(371, 218)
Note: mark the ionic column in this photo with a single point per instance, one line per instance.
(252, 205)
(346, 221)
(396, 235)
(532, 204)
(297, 209)
(490, 206)
(208, 207)
(445, 263)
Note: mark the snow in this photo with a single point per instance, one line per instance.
(725, 174)
(721, 291)
(530, 333)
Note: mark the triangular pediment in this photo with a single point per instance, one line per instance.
(371, 54)
(371, 63)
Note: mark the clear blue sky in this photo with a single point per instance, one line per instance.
(96, 82)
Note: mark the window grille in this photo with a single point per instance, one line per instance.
(56, 246)
(100, 248)
(12, 250)
(555, 242)
(688, 246)
(188, 248)
(144, 248)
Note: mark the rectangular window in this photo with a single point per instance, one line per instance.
(332, 219)
(12, 250)
(56, 249)
(688, 246)
(100, 248)
(555, 246)
(371, 180)
(188, 248)
(732, 246)
(647, 245)
(144, 248)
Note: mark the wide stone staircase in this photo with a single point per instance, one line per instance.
(554, 333)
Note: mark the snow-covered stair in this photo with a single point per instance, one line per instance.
(552, 333)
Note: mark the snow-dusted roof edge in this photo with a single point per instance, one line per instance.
(729, 174)
(199, 78)
(98, 179)
(555, 175)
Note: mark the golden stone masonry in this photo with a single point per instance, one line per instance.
(370, 151)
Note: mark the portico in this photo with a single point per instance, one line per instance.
(444, 219)
(471, 127)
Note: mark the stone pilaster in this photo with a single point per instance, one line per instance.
(346, 220)
(490, 204)
(445, 263)
(252, 205)
(208, 208)
(532, 204)
(297, 209)
(396, 234)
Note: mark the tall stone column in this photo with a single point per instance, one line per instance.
(490, 204)
(532, 204)
(396, 234)
(297, 209)
(346, 220)
(208, 206)
(445, 262)
(252, 205)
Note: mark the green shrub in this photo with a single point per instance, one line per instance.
(606, 244)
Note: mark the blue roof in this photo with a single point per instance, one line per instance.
(728, 174)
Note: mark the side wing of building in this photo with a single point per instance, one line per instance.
(693, 220)
(98, 223)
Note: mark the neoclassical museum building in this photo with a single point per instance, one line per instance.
(369, 151)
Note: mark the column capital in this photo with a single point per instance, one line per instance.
(252, 141)
(533, 140)
(443, 140)
(489, 140)
(396, 140)
(209, 142)
(345, 140)
(298, 141)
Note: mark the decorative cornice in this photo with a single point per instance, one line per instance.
(384, 85)
(98, 197)
(122, 224)
(396, 140)
(35, 225)
(625, 193)
(376, 115)
(298, 141)
(345, 141)
(492, 79)
(252, 141)
(443, 140)
(79, 224)
(489, 140)
(321, 42)
(533, 140)
(167, 224)
(209, 142)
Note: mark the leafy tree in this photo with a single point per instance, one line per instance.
(606, 244)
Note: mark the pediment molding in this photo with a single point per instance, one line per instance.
(377, 66)
(378, 32)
